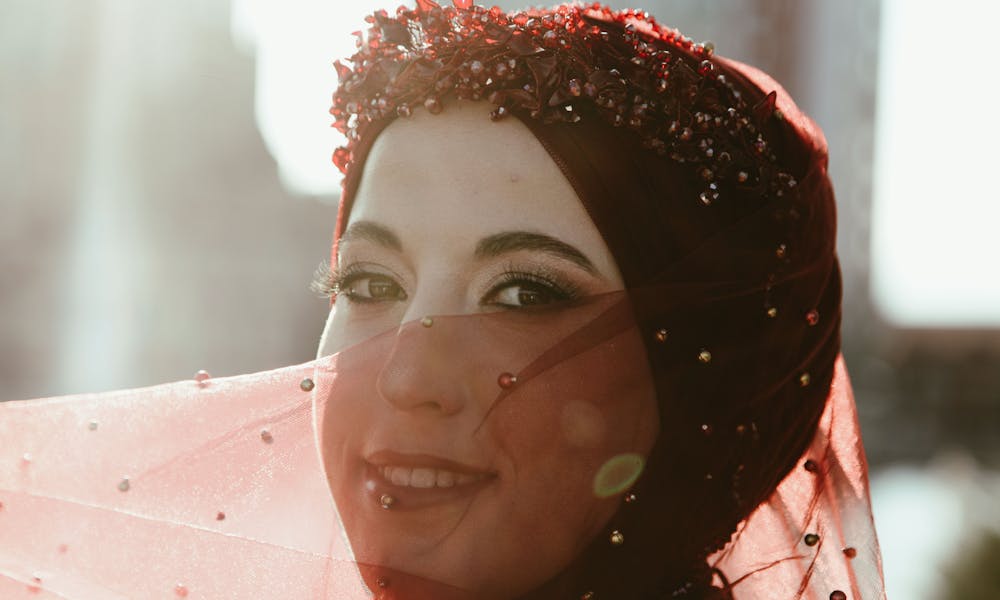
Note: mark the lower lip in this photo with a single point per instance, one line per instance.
(412, 498)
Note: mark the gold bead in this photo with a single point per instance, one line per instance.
(307, 385)
(781, 251)
(617, 538)
(386, 501)
(705, 356)
(427, 321)
(661, 335)
(772, 312)
(804, 379)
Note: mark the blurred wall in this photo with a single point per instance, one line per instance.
(143, 231)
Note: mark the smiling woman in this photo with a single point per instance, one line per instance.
(598, 347)
(583, 343)
(436, 230)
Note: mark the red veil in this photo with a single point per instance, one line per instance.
(215, 489)
(721, 218)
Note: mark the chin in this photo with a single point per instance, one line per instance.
(456, 542)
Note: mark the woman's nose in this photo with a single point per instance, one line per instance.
(426, 370)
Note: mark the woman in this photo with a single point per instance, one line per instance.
(673, 183)
(587, 350)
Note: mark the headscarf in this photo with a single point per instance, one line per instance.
(710, 188)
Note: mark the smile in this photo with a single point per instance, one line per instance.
(422, 480)
(425, 477)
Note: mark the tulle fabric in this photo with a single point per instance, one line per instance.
(191, 454)
(222, 488)
(825, 496)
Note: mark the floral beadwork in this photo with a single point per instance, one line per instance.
(564, 65)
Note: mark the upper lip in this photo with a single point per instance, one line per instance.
(384, 458)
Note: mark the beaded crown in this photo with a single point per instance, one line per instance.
(562, 65)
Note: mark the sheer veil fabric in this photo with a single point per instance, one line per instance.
(216, 489)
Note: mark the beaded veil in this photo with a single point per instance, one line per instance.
(710, 189)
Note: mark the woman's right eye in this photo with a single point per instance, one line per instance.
(369, 288)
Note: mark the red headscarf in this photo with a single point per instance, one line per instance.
(739, 293)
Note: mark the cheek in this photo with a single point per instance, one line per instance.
(574, 439)
(347, 414)
(582, 425)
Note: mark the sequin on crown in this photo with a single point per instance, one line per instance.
(563, 65)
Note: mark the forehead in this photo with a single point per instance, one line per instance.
(461, 173)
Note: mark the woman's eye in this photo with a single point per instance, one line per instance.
(524, 294)
(371, 288)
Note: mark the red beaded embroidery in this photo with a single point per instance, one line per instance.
(562, 65)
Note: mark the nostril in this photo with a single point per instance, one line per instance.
(421, 376)
(424, 368)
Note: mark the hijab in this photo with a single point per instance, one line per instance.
(731, 274)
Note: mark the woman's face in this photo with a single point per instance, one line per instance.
(468, 255)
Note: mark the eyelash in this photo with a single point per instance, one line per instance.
(324, 281)
(560, 288)
(330, 282)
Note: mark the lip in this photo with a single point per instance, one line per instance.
(412, 498)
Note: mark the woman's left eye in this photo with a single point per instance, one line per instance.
(370, 287)
(521, 291)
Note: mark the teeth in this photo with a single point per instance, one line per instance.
(445, 479)
(398, 475)
(423, 477)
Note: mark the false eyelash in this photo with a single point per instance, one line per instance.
(542, 276)
(325, 280)
(329, 282)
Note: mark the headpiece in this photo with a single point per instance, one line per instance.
(563, 65)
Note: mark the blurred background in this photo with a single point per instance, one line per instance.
(166, 192)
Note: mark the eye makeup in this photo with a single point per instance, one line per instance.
(537, 285)
(358, 282)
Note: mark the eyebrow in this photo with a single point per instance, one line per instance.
(489, 247)
(373, 232)
(512, 241)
